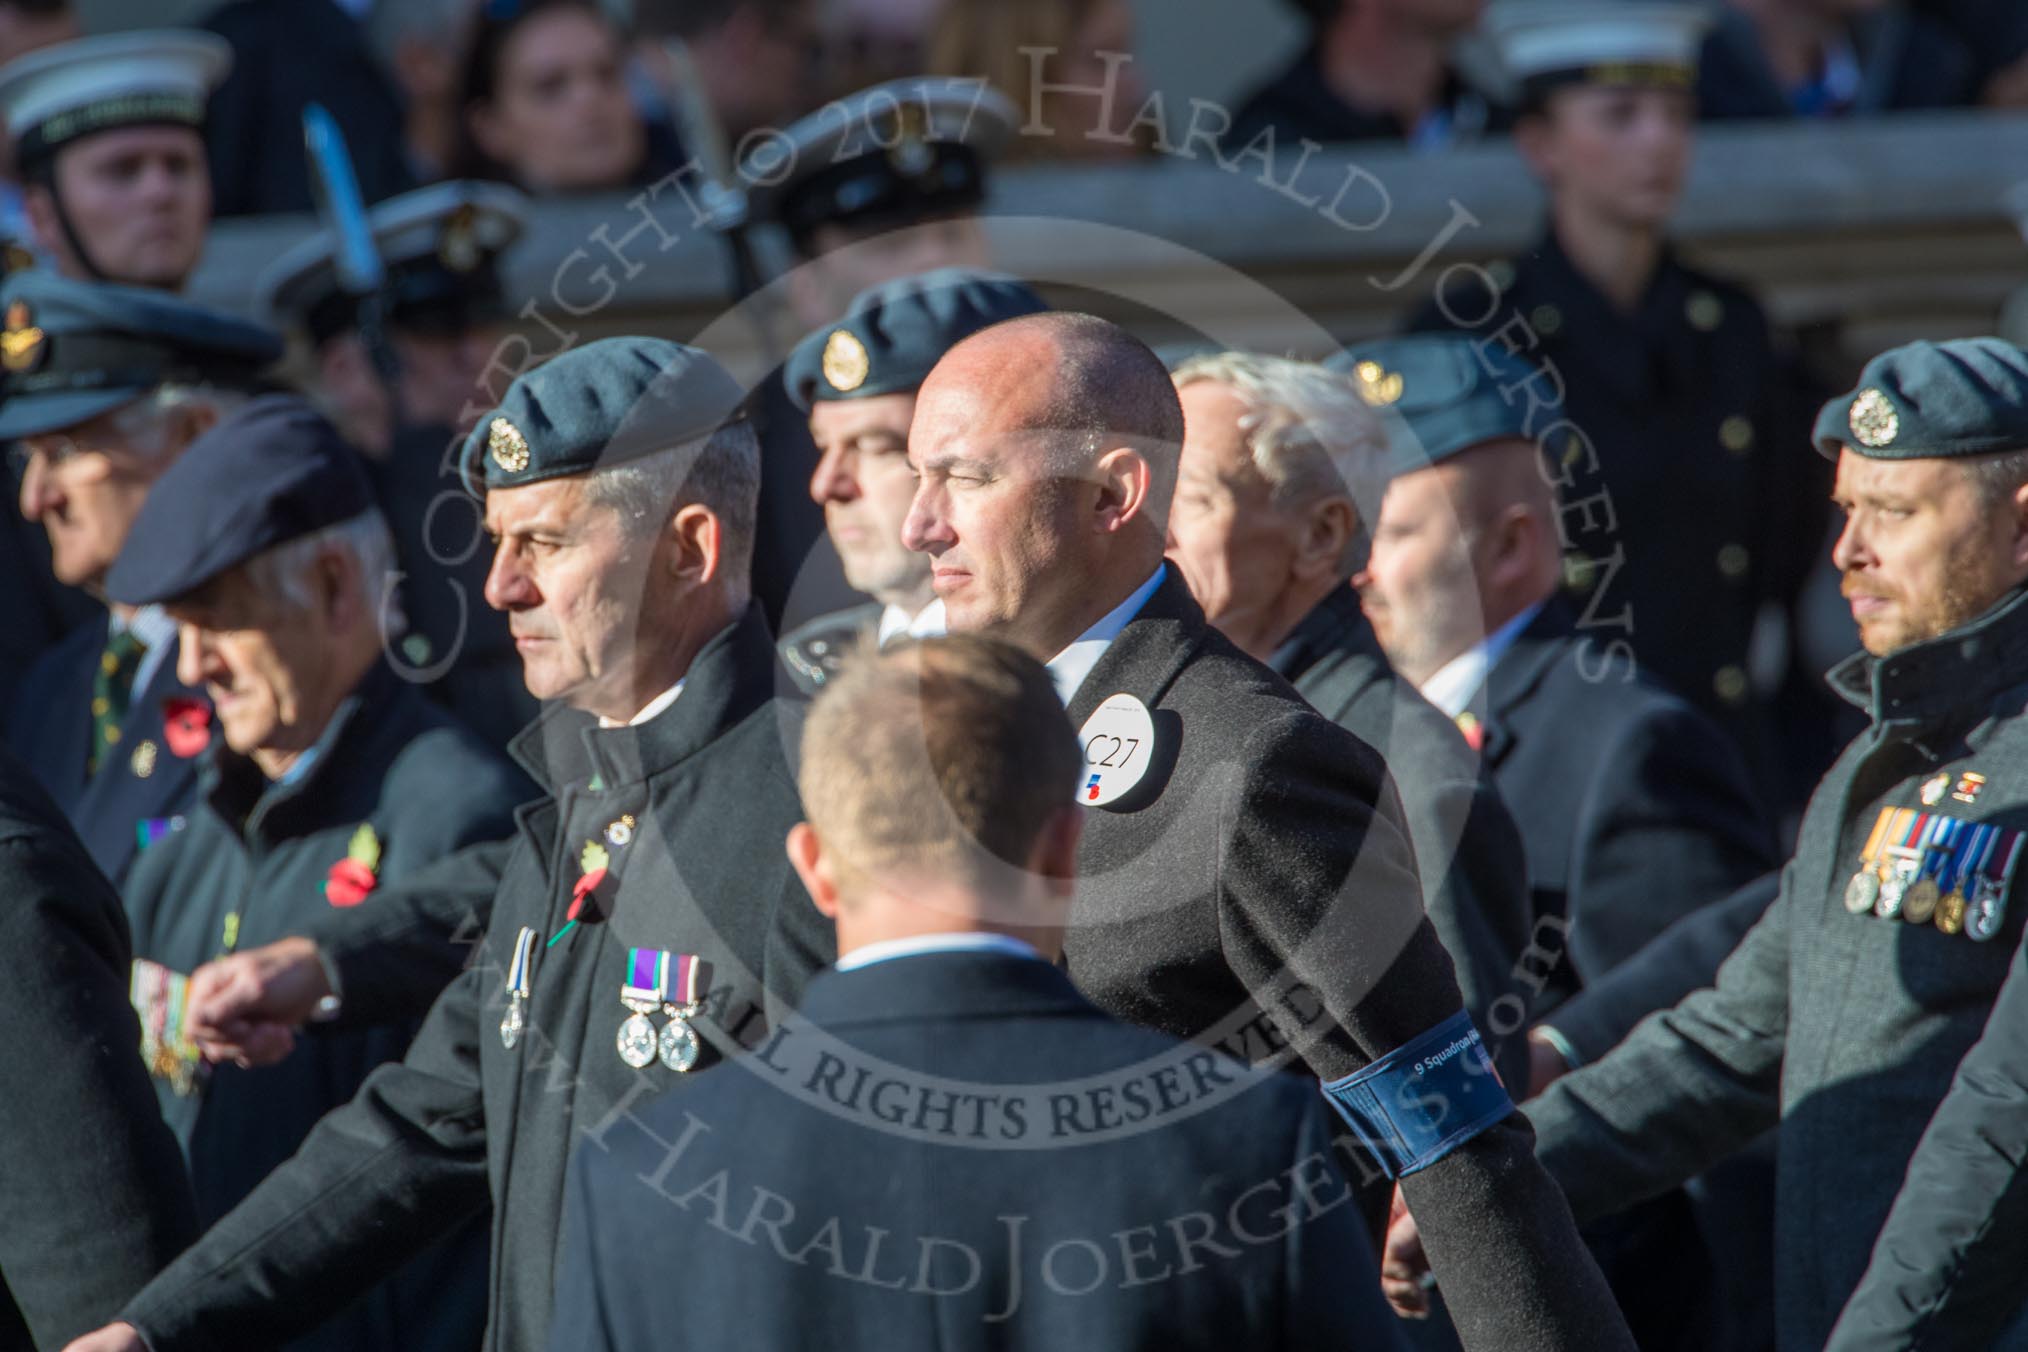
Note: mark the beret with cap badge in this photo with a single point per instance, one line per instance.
(1924, 400)
(892, 334)
(1439, 393)
(603, 404)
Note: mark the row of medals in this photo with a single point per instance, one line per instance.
(676, 1045)
(1894, 890)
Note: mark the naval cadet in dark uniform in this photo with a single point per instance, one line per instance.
(881, 185)
(1246, 880)
(96, 1200)
(108, 139)
(1283, 466)
(1845, 1011)
(646, 910)
(856, 380)
(328, 774)
(441, 312)
(1633, 809)
(101, 387)
(1665, 407)
(950, 877)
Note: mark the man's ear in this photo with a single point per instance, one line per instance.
(187, 422)
(1328, 529)
(1054, 858)
(1512, 543)
(38, 203)
(1125, 481)
(334, 579)
(2020, 528)
(807, 858)
(699, 538)
(341, 362)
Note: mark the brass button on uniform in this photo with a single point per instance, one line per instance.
(1732, 561)
(1730, 683)
(1704, 311)
(1735, 434)
(1546, 319)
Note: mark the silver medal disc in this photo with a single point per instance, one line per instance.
(637, 1041)
(511, 1026)
(1861, 892)
(1983, 917)
(679, 1045)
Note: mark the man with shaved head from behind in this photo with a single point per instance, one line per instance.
(1248, 881)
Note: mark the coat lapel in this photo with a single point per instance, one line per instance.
(1145, 658)
(1514, 678)
(1333, 657)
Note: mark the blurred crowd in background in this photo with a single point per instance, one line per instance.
(577, 96)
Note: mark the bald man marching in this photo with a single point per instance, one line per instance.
(1248, 878)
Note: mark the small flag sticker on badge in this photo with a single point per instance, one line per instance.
(1091, 787)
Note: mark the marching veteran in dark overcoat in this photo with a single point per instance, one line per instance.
(643, 907)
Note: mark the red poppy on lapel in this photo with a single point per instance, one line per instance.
(348, 882)
(1473, 729)
(186, 725)
(358, 873)
(583, 890)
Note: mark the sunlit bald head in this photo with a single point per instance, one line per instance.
(1045, 450)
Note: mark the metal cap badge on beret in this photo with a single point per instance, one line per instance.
(1968, 396)
(892, 334)
(896, 153)
(275, 470)
(1445, 392)
(53, 96)
(439, 244)
(605, 403)
(71, 350)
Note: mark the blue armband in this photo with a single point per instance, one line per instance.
(1423, 1099)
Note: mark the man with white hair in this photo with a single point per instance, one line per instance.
(103, 387)
(326, 774)
(1283, 467)
(641, 925)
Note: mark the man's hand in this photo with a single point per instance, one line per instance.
(1405, 1277)
(111, 1338)
(1545, 1063)
(245, 1008)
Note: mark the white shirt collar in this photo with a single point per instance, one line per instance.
(1069, 667)
(648, 711)
(1457, 682)
(157, 632)
(896, 622)
(967, 942)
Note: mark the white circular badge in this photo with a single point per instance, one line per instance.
(1119, 742)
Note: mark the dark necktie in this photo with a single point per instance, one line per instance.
(112, 693)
